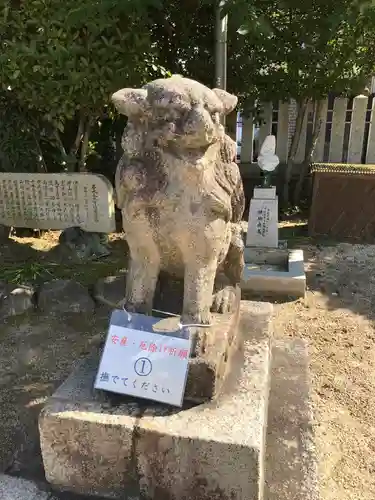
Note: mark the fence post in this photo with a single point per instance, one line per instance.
(337, 130)
(247, 140)
(282, 143)
(357, 129)
(370, 154)
(265, 128)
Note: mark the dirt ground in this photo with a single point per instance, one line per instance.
(336, 317)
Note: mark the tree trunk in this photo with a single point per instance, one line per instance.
(77, 141)
(85, 146)
(318, 121)
(60, 145)
(302, 110)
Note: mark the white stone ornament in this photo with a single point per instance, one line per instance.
(267, 159)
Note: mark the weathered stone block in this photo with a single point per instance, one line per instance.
(213, 450)
(212, 363)
(84, 200)
(286, 279)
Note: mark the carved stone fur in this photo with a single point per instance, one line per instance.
(181, 195)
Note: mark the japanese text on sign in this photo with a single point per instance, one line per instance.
(144, 364)
(56, 201)
(152, 347)
(263, 219)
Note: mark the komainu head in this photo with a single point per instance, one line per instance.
(176, 112)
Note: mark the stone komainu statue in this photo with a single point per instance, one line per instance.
(181, 195)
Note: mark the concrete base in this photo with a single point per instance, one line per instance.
(215, 450)
(277, 271)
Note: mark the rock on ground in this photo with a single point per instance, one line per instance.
(64, 297)
(15, 299)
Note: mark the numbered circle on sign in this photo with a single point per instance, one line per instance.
(143, 367)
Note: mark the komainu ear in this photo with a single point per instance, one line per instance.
(130, 102)
(229, 100)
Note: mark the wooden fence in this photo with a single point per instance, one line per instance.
(343, 205)
(347, 134)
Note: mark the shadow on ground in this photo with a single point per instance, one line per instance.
(345, 275)
(35, 260)
(37, 354)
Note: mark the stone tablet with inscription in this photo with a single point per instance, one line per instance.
(262, 230)
(57, 201)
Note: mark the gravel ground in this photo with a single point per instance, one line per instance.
(337, 318)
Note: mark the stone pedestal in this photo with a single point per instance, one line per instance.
(254, 443)
(270, 268)
(213, 450)
(262, 228)
(275, 272)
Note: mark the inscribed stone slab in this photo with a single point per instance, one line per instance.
(57, 201)
(262, 230)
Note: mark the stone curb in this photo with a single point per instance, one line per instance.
(291, 459)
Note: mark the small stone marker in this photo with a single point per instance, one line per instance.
(57, 201)
(262, 228)
(138, 360)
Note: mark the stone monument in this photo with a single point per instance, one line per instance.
(182, 201)
(270, 267)
(263, 216)
(82, 205)
(57, 201)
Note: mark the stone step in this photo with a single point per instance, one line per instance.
(291, 462)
